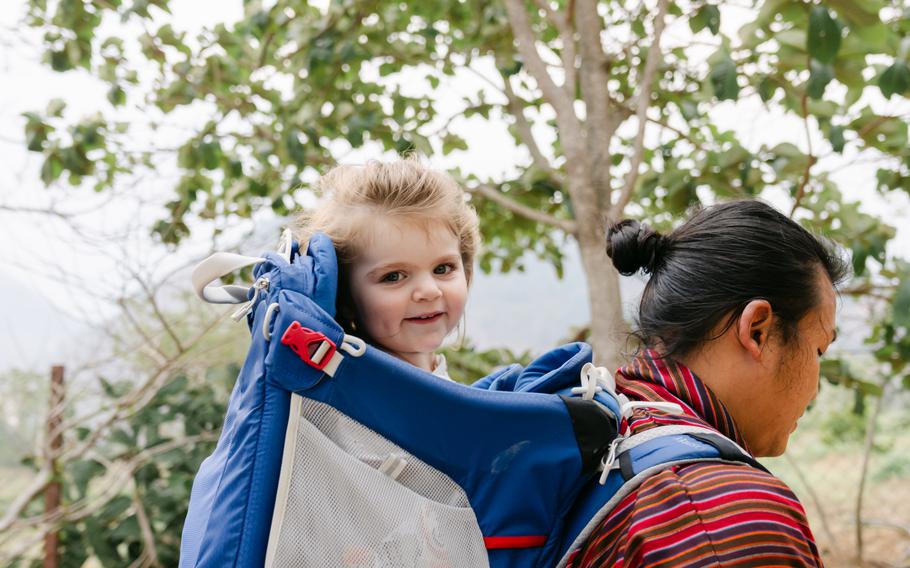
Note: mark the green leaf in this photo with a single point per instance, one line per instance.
(116, 95)
(724, 79)
(895, 80)
(708, 16)
(836, 137)
(51, 169)
(211, 155)
(858, 13)
(82, 472)
(820, 74)
(55, 107)
(823, 39)
(452, 142)
(766, 88)
(900, 306)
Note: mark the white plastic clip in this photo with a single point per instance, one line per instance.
(267, 321)
(594, 380)
(242, 311)
(286, 245)
(609, 460)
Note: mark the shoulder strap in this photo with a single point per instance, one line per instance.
(667, 444)
(639, 457)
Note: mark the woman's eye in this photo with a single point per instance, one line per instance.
(443, 269)
(391, 277)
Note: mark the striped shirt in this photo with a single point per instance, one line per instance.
(702, 514)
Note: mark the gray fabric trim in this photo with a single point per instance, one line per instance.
(284, 477)
(654, 433)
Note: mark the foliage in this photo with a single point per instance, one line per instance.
(158, 488)
(24, 401)
(290, 87)
(466, 364)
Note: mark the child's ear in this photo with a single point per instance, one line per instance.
(346, 315)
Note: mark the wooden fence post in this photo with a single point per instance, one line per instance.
(54, 443)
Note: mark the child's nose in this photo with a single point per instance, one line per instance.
(426, 290)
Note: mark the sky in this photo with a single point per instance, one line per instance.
(56, 275)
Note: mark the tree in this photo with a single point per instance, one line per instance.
(628, 110)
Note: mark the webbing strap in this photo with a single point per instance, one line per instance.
(213, 268)
(728, 450)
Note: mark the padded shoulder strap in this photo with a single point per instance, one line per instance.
(639, 457)
(667, 444)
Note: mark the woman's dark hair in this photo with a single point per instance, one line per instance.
(714, 264)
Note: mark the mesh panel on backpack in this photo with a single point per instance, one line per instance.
(342, 511)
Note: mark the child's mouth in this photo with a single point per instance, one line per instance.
(426, 318)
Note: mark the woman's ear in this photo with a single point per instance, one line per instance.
(753, 329)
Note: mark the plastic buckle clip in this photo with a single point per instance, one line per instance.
(313, 347)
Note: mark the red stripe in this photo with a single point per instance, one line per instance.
(494, 542)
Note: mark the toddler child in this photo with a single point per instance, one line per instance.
(405, 240)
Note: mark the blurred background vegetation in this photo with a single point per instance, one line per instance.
(608, 109)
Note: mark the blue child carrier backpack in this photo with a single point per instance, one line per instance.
(336, 454)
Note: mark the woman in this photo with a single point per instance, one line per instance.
(738, 310)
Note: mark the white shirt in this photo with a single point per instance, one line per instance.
(440, 369)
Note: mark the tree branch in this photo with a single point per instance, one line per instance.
(801, 192)
(823, 515)
(524, 37)
(148, 536)
(36, 211)
(643, 102)
(111, 488)
(516, 108)
(563, 24)
(600, 123)
(499, 198)
(867, 453)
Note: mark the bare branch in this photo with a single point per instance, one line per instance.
(563, 24)
(594, 67)
(148, 536)
(871, 425)
(801, 192)
(524, 36)
(111, 488)
(516, 108)
(499, 198)
(39, 482)
(164, 323)
(823, 515)
(35, 211)
(148, 346)
(643, 101)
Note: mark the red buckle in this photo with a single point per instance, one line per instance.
(313, 347)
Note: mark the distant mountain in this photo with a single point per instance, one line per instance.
(34, 334)
(534, 309)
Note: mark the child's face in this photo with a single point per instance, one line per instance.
(409, 288)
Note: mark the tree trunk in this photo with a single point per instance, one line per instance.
(609, 331)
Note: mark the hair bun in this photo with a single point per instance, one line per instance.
(635, 246)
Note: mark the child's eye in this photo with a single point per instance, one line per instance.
(443, 269)
(391, 277)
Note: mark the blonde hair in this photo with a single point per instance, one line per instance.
(405, 189)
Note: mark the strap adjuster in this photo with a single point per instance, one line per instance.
(313, 347)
